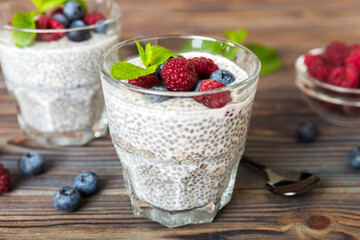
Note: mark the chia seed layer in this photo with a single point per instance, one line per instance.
(56, 84)
(179, 154)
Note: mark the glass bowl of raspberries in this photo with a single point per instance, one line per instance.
(49, 52)
(329, 79)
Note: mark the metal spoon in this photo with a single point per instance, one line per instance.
(291, 185)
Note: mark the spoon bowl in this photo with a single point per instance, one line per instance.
(285, 185)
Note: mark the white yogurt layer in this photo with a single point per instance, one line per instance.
(56, 84)
(179, 154)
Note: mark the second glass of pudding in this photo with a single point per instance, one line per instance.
(56, 84)
(180, 157)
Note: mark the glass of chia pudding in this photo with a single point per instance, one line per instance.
(49, 55)
(180, 150)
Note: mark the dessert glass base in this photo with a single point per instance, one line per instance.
(203, 214)
(73, 138)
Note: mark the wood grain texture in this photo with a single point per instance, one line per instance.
(331, 211)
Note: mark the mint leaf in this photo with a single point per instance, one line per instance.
(124, 71)
(48, 4)
(156, 55)
(237, 36)
(152, 57)
(38, 3)
(216, 48)
(141, 52)
(23, 20)
(270, 61)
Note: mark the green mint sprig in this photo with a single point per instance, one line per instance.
(152, 57)
(270, 61)
(237, 36)
(269, 58)
(26, 20)
(23, 20)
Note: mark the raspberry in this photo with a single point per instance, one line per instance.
(147, 81)
(45, 22)
(5, 179)
(179, 74)
(312, 58)
(354, 58)
(355, 46)
(214, 100)
(42, 22)
(344, 77)
(336, 52)
(204, 67)
(92, 18)
(317, 68)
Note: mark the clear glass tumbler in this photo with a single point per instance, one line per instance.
(56, 84)
(179, 157)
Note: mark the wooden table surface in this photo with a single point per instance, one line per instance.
(331, 211)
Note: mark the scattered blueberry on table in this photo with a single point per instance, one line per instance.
(31, 163)
(67, 199)
(86, 183)
(354, 157)
(306, 132)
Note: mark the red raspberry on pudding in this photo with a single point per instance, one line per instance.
(93, 18)
(45, 22)
(213, 100)
(147, 81)
(204, 67)
(179, 74)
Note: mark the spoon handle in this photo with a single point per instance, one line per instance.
(255, 165)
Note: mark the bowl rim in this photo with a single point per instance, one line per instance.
(248, 81)
(8, 27)
(302, 68)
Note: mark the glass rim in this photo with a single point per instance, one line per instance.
(8, 27)
(119, 83)
(301, 67)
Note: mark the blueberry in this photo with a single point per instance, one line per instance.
(102, 28)
(306, 132)
(354, 157)
(66, 199)
(86, 183)
(31, 164)
(73, 10)
(197, 86)
(157, 98)
(158, 72)
(62, 19)
(81, 35)
(223, 76)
